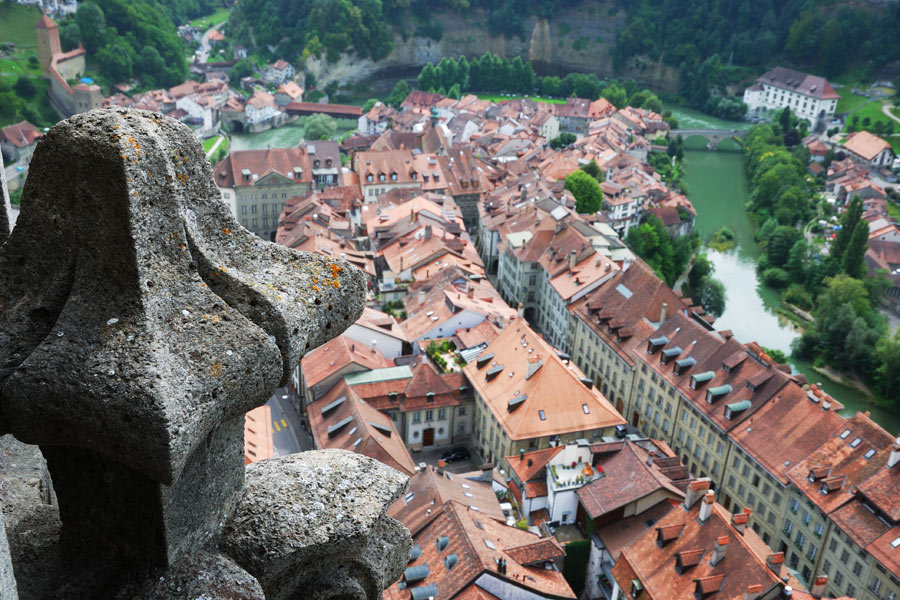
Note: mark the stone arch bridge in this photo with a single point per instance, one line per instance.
(713, 136)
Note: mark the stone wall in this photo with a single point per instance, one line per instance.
(138, 323)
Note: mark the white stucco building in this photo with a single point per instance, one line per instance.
(808, 96)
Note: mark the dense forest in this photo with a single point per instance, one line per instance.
(713, 44)
(128, 39)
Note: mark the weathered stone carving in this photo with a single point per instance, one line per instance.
(312, 526)
(138, 323)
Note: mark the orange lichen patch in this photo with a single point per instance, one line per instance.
(315, 287)
(223, 269)
(335, 270)
(227, 231)
(336, 284)
(215, 369)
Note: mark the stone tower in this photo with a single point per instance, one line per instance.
(48, 42)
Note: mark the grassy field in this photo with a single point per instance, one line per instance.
(210, 142)
(220, 16)
(849, 101)
(894, 141)
(500, 98)
(17, 23)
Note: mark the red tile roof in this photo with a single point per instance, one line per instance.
(21, 134)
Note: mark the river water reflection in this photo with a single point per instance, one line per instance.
(717, 186)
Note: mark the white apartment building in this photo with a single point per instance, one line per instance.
(808, 96)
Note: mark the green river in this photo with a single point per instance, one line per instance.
(717, 186)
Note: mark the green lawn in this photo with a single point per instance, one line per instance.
(210, 142)
(220, 16)
(872, 111)
(849, 101)
(17, 23)
(499, 98)
(894, 141)
(893, 210)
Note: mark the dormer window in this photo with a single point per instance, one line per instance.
(656, 343)
(381, 177)
(370, 178)
(670, 353)
(437, 177)
(327, 162)
(393, 177)
(713, 394)
(424, 177)
(699, 379)
(316, 164)
(414, 176)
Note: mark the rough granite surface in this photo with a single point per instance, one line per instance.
(7, 580)
(4, 212)
(315, 523)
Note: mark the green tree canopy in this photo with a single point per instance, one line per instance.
(587, 192)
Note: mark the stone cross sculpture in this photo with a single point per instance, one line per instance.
(138, 323)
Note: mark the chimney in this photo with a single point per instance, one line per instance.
(695, 491)
(719, 549)
(818, 586)
(774, 562)
(894, 458)
(421, 296)
(520, 311)
(706, 506)
(740, 520)
(573, 256)
(787, 592)
(662, 312)
(470, 292)
(522, 454)
(753, 592)
(428, 232)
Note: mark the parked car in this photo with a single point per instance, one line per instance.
(455, 455)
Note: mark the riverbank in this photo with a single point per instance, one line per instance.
(717, 186)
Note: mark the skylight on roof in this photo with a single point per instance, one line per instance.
(855, 442)
(489, 544)
(586, 409)
(468, 494)
(845, 434)
(542, 415)
(895, 543)
(869, 454)
(409, 497)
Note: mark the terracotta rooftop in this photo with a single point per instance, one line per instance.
(802, 83)
(556, 400)
(341, 419)
(258, 443)
(865, 144)
(655, 566)
(479, 545)
(628, 478)
(21, 134)
(333, 356)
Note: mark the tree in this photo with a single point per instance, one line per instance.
(398, 94)
(712, 299)
(784, 119)
(240, 69)
(887, 352)
(615, 95)
(779, 244)
(849, 220)
(115, 62)
(587, 192)
(854, 263)
(454, 92)
(319, 127)
(91, 25)
(593, 169)
(24, 87)
(562, 140)
(369, 104)
(427, 79)
(701, 269)
(150, 62)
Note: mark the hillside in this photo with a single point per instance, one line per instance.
(697, 48)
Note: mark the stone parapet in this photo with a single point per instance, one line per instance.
(138, 323)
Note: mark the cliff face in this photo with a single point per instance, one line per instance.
(580, 38)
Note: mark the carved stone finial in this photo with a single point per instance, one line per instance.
(139, 322)
(313, 526)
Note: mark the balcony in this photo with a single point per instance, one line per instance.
(573, 475)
